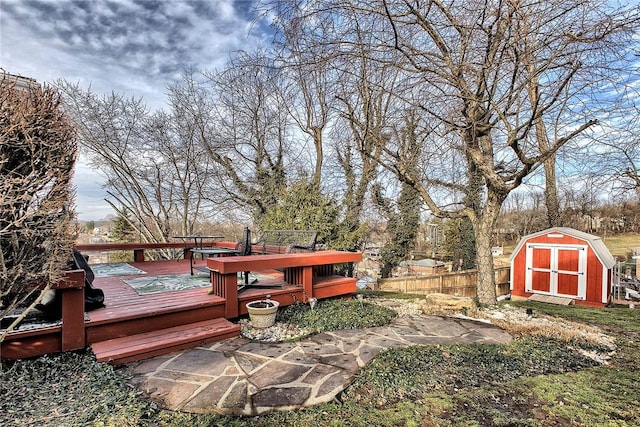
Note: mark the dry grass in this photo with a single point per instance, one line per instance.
(515, 321)
(563, 331)
(622, 244)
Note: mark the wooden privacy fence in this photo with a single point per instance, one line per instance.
(457, 283)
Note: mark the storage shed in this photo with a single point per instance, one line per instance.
(562, 262)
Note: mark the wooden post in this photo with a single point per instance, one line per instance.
(72, 288)
(307, 281)
(231, 295)
(138, 255)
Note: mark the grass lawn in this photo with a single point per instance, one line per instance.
(533, 381)
(622, 244)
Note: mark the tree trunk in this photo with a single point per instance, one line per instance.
(317, 140)
(483, 225)
(551, 188)
(551, 201)
(551, 192)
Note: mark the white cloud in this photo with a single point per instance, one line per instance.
(134, 47)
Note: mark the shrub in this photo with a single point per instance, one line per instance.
(330, 315)
(37, 156)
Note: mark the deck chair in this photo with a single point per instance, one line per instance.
(244, 247)
(93, 297)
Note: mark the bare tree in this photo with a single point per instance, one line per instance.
(242, 127)
(403, 217)
(521, 214)
(366, 105)
(309, 96)
(617, 160)
(155, 174)
(37, 155)
(469, 71)
(552, 200)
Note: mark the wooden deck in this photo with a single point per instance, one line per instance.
(125, 307)
(132, 326)
(127, 313)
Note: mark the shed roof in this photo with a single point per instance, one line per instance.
(427, 262)
(595, 242)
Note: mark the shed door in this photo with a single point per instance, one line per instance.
(557, 270)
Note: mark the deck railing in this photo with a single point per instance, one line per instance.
(138, 249)
(69, 335)
(300, 269)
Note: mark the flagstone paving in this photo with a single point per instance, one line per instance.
(242, 377)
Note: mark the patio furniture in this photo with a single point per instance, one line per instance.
(198, 242)
(243, 247)
(285, 241)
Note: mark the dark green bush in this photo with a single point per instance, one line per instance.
(330, 315)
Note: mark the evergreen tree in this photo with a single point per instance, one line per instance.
(302, 206)
(460, 243)
(89, 226)
(123, 230)
(403, 221)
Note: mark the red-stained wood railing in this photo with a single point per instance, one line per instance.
(300, 269)
(72, 288)
(68, 336)
(139, 248)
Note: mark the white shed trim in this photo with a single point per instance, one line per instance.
(595, 242)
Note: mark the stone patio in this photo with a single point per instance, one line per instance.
(243, 377)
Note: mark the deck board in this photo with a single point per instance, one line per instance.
(122, 301)
(163, 341)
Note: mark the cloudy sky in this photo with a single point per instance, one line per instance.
(134, 47)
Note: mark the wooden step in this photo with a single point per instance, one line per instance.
(163, 341)
(551, 299)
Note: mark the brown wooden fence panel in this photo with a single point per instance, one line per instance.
(458, 283)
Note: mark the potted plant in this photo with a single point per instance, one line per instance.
(262, 313)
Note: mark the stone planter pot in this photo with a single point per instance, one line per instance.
(262, 313)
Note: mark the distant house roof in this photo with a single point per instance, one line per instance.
(21, 82)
